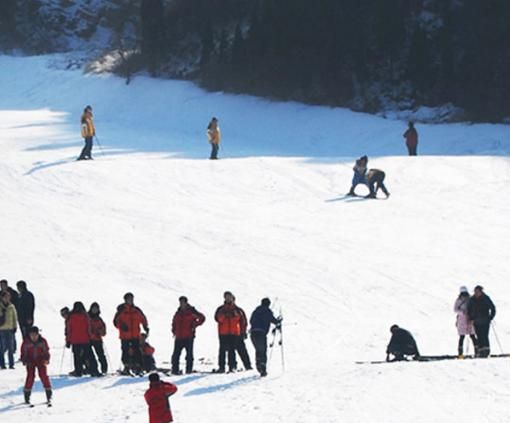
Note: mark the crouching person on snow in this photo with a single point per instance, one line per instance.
(35, 354)
(157, 399)
(375, 180)
(401, 344)
(148, 362)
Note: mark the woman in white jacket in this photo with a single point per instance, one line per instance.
(464, 325)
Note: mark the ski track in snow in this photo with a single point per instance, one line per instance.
(151, 216)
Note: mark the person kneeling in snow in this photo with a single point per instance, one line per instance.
(35, 354)
(148, 362)
(401, 344)
(375, 180)
(157, 399)
(360, 171)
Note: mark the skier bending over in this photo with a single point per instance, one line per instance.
(157, 399)
(401, 344)
(375, 179)
(360, 171)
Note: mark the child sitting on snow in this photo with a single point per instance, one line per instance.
(148, 362)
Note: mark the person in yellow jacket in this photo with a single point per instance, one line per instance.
(8, 326)
(214, 136)
(87, 132)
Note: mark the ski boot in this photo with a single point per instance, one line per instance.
(26, 394)
(49, 394)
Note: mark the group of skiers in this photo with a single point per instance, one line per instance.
(474, 316)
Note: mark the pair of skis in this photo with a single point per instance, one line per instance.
(429, 358)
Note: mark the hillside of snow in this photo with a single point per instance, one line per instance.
(150, 215)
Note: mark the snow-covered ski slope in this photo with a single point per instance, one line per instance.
(152, 216)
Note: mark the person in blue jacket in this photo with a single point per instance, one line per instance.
(360, 172)
(260, 321)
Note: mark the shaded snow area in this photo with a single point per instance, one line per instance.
(150, 215)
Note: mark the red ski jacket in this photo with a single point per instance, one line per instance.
(97, 328)
(35, 353)
(128, 320)
(157, 400)
(231, 320)
(78, 329)
(411, 136)
(185, 322)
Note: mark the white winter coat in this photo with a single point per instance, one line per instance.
(464, 325)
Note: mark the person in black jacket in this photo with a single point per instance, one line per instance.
(401, 344)
(25, 309)
(481, 310)
(375, 180)
(260, 321)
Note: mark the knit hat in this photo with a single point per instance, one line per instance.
(463, 289)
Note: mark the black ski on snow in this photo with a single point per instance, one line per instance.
(429, 358)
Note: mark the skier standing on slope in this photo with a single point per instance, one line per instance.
(128, 320)
(35, 354)
(481, 310)
(411, 136)
(401, 344)
(184, 323)
(375, 180)
(229, 330)
(8, 326)
(463, 323)
(26, 307)
(360, 171)
(156, 398)
(87, 132)
(260, 321)
(78, 337)
(214, 137)
(97, 332)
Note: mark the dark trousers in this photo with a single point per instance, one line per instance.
(228, 347)
(87, 149)
(376, 183)
(7, 345)
(243, 353)
(179, 345)
(148, 363)
(83, 357)
(131, 353)
(412, 150)
(482, 335)
(214, 151)
(461, 343)
(98, 348)
(259, 341)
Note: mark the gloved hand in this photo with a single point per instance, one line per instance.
(68, 345)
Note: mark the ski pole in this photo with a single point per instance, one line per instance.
(281, 341)
(497, 337)
(62, 360)
(99, 145)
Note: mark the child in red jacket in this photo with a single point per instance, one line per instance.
(35, 354)
(148, 362)
(157, 399)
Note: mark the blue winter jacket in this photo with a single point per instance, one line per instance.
(261, 319)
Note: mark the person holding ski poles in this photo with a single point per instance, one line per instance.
(214, 137)
(87, 132)
(260, 321)
(35, 354)
(156, 398)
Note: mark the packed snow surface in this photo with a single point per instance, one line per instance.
(150, 215)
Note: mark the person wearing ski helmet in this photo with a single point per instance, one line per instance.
(463, 323)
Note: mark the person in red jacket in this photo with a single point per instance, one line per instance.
(184, 323)
(78, 336)
(128, 320)
(156, 398)
(240, 346)
(35, 354)
(229, 319)
(148, 362)
(97, 332)
(411, 136)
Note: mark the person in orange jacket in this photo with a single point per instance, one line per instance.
(128, 320)
(411, 136)
(97, 332)
(156, 398)
(229, 319)
(87, 132)
(214, 137)
(148, 362)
